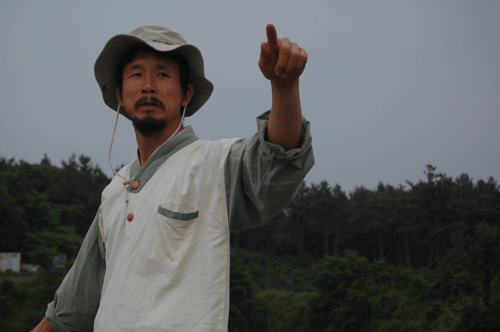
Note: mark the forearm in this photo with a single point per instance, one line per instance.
(285, 121)
(44, 326)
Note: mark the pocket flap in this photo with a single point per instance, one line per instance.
(181, 216)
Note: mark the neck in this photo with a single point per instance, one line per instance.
(148, 145)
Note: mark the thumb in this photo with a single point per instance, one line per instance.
(265, 50)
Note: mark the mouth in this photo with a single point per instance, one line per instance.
(147, 107)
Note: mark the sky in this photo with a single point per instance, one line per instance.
(389, 87)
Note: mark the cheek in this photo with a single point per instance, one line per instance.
(169, 89)
(129, 87)
(129, 93)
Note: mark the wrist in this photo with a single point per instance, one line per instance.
(284, 85)
(44, 326)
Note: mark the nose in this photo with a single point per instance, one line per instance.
(148, 90)
(149, 85)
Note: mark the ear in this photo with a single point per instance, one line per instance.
(188, 95)
(118, 96)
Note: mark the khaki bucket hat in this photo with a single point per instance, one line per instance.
(161, 39)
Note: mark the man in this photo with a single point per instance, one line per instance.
(156, 257)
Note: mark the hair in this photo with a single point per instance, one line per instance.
(184, 69)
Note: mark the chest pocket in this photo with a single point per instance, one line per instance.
(171, 234)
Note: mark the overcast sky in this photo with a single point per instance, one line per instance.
(390, 86)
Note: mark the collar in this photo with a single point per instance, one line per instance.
(144, 173)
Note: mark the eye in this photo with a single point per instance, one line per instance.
(135, 75)
(163, 75)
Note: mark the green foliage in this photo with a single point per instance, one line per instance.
(45, 245)
(478, 316)
(411, 227)
(343, 303)
(270, 292)
(469, 278)
(446, 229)
(471, 267)
(47, 210)
(287, 311)
(24, 298)
(356, 295)
(13, 224)
(246, 310)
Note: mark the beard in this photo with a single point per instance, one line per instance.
(149, 125)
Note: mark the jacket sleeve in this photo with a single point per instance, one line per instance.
(262, 178)
(77, 299)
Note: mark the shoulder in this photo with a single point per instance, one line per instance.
(216, 148)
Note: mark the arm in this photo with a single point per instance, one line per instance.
(261, 178)
(282, 62)
(77, 299)
(44, 326)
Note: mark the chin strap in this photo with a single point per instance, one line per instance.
(111, 144)
(114, 131)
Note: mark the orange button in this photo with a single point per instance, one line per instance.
(130, 216)
(126, 182)
(135, 185)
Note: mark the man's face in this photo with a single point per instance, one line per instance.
(151, 93)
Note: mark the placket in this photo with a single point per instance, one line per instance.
(132, 205)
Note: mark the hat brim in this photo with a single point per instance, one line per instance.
(106, 66)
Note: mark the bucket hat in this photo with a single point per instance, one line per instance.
(161, 39)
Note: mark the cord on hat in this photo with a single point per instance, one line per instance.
(111, 145)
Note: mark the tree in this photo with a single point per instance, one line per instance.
(12, 223)
(371, 216)
(246, 313)
(44, 245)
(297, 216)
(470, 275)
(342, 304)
(406, 221)
(321, 215)
(435, 215)
(340, 216)
(487, 207)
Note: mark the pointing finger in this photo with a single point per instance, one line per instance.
(272, 38)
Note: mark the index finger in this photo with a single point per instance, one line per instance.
(272, 37)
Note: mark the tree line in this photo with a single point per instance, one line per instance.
(46, 210)
(416, 258)
(411, 226)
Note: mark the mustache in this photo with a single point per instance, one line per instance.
(149, 101)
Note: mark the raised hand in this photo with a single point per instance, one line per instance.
(281, 61)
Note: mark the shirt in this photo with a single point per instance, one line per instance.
(156, 257)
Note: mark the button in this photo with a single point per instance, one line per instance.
(130, 216)
(126, 182)
(135, 185)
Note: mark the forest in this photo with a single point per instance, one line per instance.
(419, 256)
